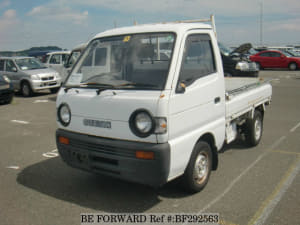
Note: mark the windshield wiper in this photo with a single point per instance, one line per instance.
(102, 86)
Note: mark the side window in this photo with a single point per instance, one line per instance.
(275, 54)
(10, 66)
(64, 58)
(100, 56)
(265, 54)
(1, 65)
(198, 59)
(55, 59)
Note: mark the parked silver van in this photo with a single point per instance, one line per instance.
(28, 75)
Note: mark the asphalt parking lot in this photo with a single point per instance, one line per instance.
(251, 186)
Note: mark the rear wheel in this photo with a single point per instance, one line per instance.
(198, 170)
(292, 66)
(254, 129)
(26, 89)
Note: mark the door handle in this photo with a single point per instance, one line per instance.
(217, 100)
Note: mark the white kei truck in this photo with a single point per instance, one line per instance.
(149, 103)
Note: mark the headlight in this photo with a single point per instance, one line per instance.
(243, 66)
(35, 77)
(64, 114)
(141, 123)
(6, 79)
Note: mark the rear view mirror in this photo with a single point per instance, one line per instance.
(180, 88)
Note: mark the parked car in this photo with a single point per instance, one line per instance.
(236, 63)
(275, 59)
(71, 60)
(6, 89)
(28, 75)
(57, 60)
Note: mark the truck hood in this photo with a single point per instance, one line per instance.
(114, 106)
(242, 49)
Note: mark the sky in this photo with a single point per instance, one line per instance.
(67, 23)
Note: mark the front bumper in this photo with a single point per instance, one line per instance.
(6, 92)
(247, 73)
(40, 85)
(115, 158)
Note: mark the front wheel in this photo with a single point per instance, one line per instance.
(197, 173)
(26, 89)
(254, 129)
(293, 66)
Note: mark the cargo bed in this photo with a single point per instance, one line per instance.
(245, 94)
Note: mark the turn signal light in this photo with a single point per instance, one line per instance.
(64, 140)
(144, 155)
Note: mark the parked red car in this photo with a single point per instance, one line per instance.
(275, 59)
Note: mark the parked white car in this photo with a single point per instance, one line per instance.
(29, 75)
(57, 60)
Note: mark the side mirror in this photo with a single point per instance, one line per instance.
(180, 88)
(282, 56)
(14, 69)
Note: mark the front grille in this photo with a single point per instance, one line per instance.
(99, 148)
(47, 78)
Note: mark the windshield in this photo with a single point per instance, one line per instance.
(29, 64)
(138, 61)
(225, 50)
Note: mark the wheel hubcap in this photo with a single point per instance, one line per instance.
(25, 89)
(292, 66)
(257, 129)
(201, 167)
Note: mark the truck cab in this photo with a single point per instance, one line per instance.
(146, 104)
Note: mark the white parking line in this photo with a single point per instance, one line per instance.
(52, 154)
(41, 101)
(20, 121)
(13, 167)
(270, 203)
(229, 187)
(295, 128)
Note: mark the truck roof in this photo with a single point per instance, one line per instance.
(176, 27)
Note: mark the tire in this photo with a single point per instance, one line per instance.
(54, 90)
(254, 129)
(292, 66)
(9, 100)
(197, 173)
(26, 89)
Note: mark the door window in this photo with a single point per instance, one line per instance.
(198, 59)
(1, 65)
(64, 58)
(10, 66)
(55, 59)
